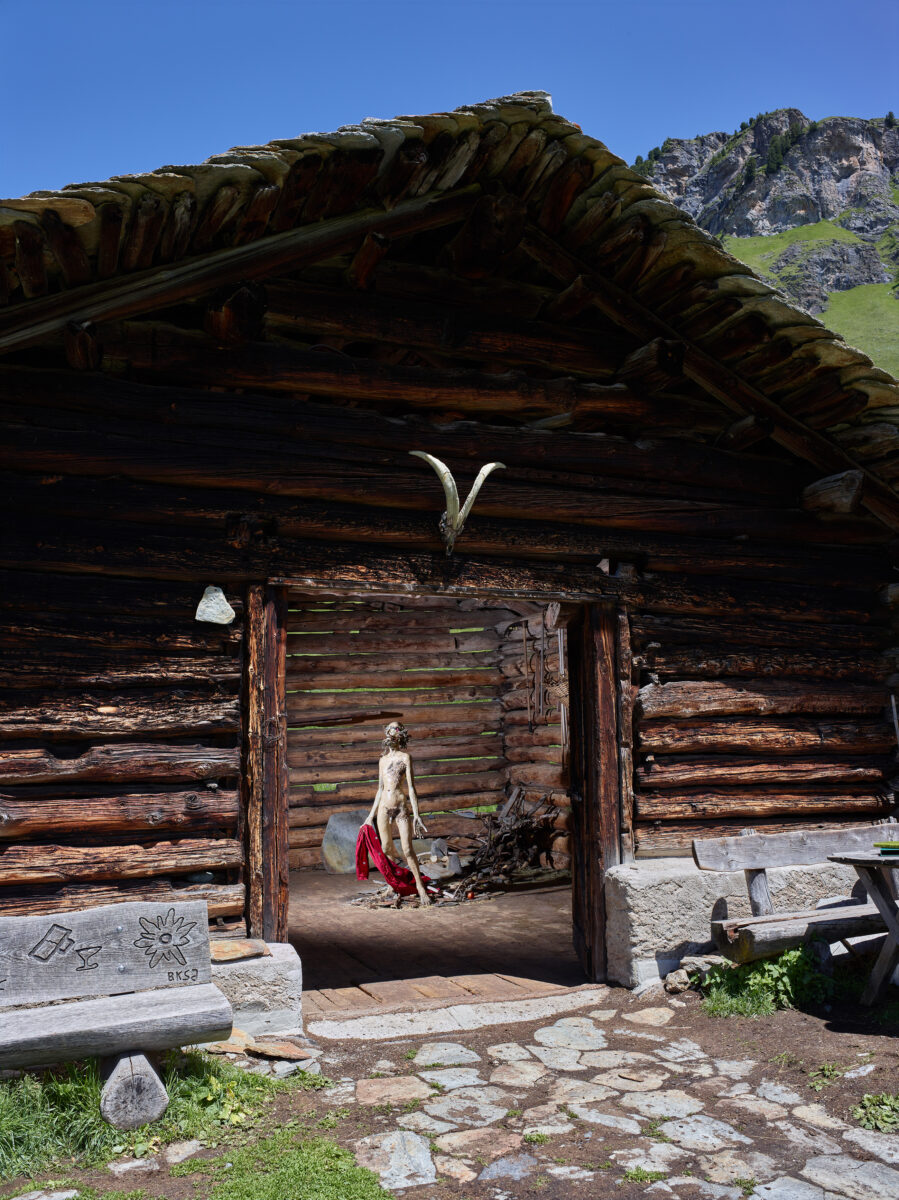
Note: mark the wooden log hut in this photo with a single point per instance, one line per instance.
(213, 375)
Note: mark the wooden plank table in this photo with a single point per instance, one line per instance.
(876, 872)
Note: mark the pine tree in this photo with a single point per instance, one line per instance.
(889, 120)
(775, 154)
(749, 171)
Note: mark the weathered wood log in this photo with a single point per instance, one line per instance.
(769, 737)
(115, 1025)
(236, 317)
(116, 713)
(43, 862)
(765, 936)
(305, 309)
(305, 815)
(281, 252)
(680, 662)
(543, 774)
(839, 494)
(656, 626)
(427, 785)
(419, 678)
(300, 859)
(311, 703)
(370, 734)
(766, 802)
(346, 772)
(724, 697)
(722, 770)
(791, 849)
(36, 672)
(36, 813)
(369, 751)
(252, 782)
(746, 432)
(415, 642)
(654, 839)
(125, 762)
(300, 713)
(536, 754)
(275, 771)
(648, 461)
(542, 735)
(444, 619)
(491, 231)
(126, 598)
(655, 367)
(222, 899)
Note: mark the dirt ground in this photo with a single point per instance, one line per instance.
(766, 1100)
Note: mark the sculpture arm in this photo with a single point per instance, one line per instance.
(418, 826)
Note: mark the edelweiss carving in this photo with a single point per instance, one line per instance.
(453, 520)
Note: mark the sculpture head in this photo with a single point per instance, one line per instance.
(396, 736)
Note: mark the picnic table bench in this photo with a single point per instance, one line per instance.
(877, 873)
(767, 932)
(118, 982)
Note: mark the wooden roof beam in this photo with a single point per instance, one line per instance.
(714, 377)
(143, 291)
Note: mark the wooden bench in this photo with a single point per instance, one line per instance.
(766, 932)
(116, 982)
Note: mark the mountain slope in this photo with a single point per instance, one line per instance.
(813, 206)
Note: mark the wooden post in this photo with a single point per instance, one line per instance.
(275, 779)
(596, 813)
(252, 772)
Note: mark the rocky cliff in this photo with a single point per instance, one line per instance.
(812, 205)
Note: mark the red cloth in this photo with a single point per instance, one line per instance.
(400, 878)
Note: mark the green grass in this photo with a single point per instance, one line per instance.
(760, 252)
(279, 1168)
(761, 988)
(878, 1112)
(868, 318)
(536, 1139)
(55, 1118)
(641, 1175)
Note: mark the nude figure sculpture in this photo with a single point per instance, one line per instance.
(395, 779)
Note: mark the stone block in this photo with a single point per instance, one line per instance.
(339, 842)
(659, 910)
(265, 993)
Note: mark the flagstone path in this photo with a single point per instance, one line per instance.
(590, 1101)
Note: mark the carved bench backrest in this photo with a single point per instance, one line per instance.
(108, 951)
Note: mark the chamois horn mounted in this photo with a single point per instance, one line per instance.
(453, 520)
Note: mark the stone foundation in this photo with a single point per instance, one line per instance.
(265, 993)
(660, 909)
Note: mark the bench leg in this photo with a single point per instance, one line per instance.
(133, 1094)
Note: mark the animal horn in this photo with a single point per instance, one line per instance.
(486, 470)
(445, 475)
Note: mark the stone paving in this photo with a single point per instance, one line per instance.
(627, 1095)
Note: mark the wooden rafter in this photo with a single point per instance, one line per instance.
(142, 291)
(714, 377)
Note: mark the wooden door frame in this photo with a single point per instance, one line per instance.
(606, 727)
(599, 662)
(266, 780)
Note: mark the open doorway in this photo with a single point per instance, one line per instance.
(482, 687)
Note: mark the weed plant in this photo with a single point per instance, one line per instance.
(54, 1117)
(761, 988)
(878, 1112)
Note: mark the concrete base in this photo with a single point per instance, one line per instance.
(660, 909)
(265, 993)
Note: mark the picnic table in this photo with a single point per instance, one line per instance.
(876, 871)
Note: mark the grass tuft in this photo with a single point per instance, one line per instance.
(761, 988)
(641, 1175)
(54, 1117)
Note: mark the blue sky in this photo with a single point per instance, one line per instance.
(94, 88)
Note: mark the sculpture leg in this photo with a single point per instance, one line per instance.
(405, 827)
(385, 834)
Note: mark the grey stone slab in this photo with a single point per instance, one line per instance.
(339, 842)
(672, 1103)
(654, 1017)
(401, 1158)
(103, 951)
(558, 1058)
(133, 1094)
(569, 1172)
(422, 1122)
(757, 1107)
(599, 1116)
(518, 1074)
(513, 1166)
(770, 1090)
(508, 1052)
(849, 1177)
(701, 1132)
(545, 1118)
(785, 1187)
(214, 608)
(643, 1034)
(578, 1091)
(651, 1156)
(631, 1079)
(471, 1106)
(399, 1089)
(480, 1143)
(859, 1072)
(682, 1050)
(817, 1115)
(67, 1194)
(572, 1033)
(444, 1054)
(610, 1059)
(266, 992)
(806, 1141)
(727, 1165)
(181, 1151)
(134, 1166)
(702, 1188)
(884, 1146)
(449, 1078)
(735, 1068)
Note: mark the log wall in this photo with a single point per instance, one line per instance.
(119, 747)
(440, 666)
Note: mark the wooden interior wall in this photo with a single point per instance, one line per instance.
(434, 664)
(765, 722)
(119, 746)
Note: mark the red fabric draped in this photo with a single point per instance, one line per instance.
(400, 878)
